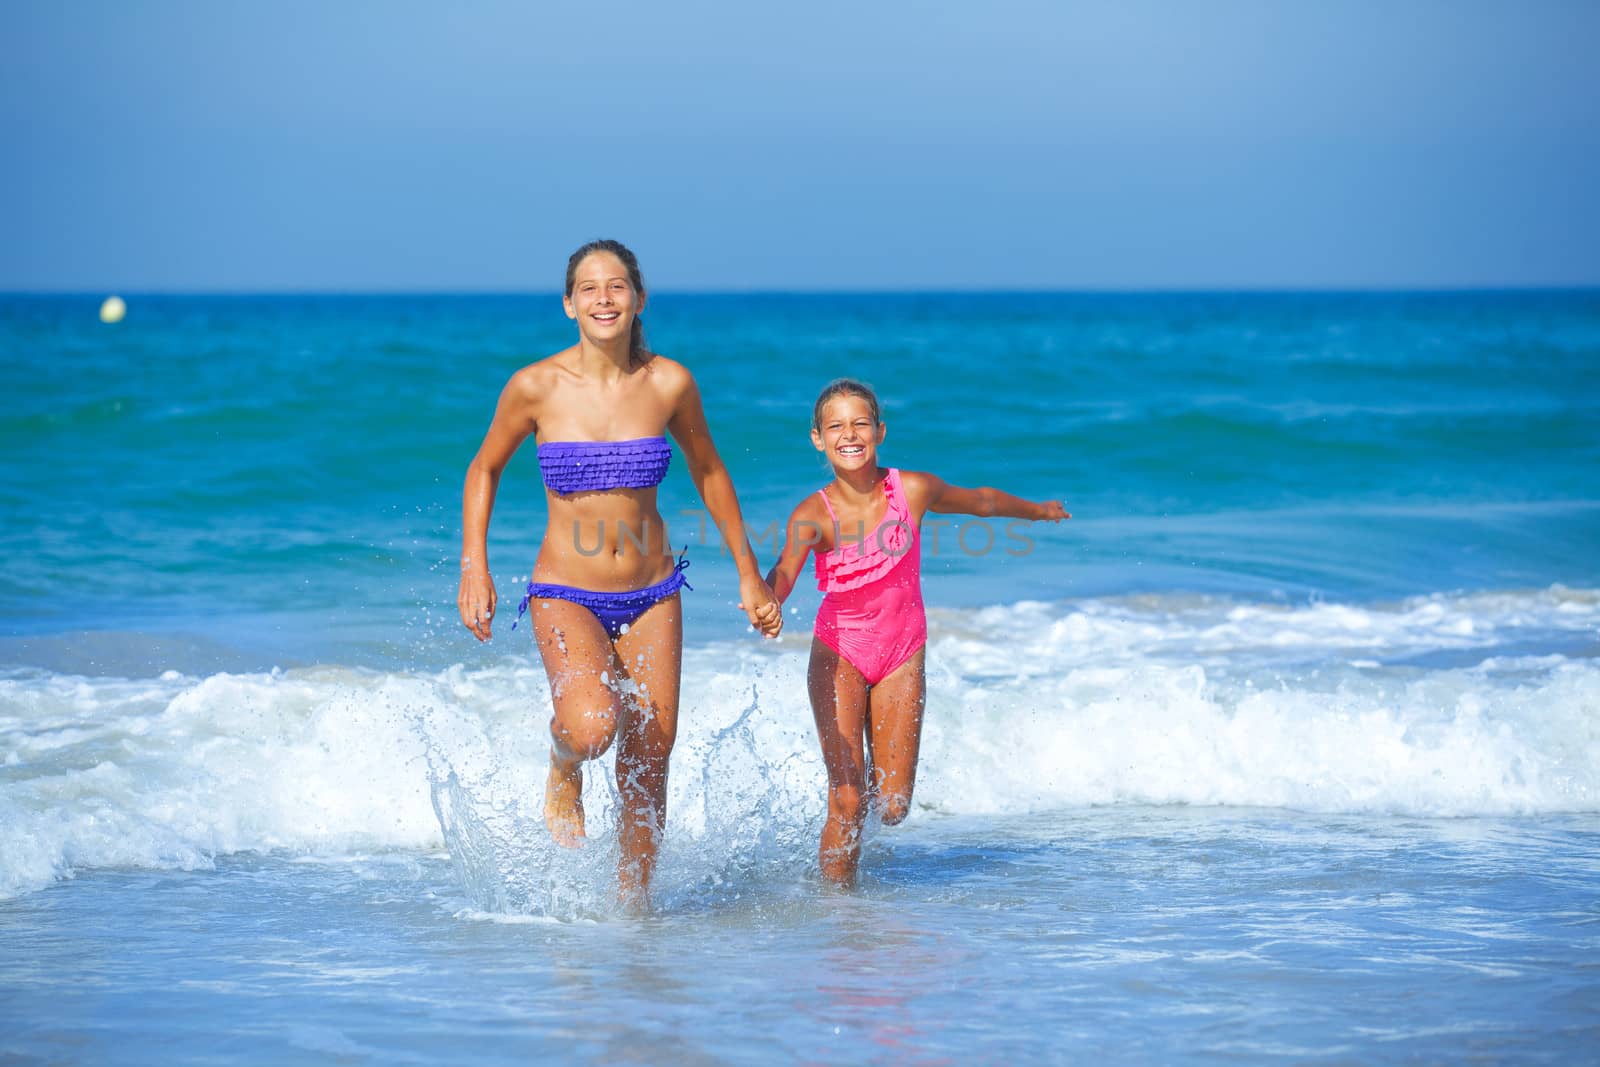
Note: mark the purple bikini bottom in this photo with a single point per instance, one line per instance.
(616, 611)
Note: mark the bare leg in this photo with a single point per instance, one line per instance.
(651, 659)
(894, 720)
(839, 704)
(582, 667)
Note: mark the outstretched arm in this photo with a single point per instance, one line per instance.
(689, 429)
(939, 496)
(513, 422)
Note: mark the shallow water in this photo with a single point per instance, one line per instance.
(1150, 934)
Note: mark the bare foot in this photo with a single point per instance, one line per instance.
(633, 901)
(563, 805)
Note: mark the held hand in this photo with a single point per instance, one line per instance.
(1051, 511)
(476, 601)
(756, 598)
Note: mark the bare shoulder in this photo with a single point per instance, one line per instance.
(922, 489)
(529, 391)
(810, 526)
(669, 377)
(539, 377)
(810, 509)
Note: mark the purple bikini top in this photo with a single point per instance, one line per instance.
(595, 466)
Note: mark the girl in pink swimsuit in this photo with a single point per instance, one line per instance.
(867, 681)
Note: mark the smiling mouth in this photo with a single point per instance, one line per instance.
(852, 450)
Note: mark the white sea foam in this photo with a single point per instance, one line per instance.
(1486, 704)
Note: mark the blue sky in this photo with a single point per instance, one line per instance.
(366, 146)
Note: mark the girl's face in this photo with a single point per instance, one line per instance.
(603, 301)
(848, 435)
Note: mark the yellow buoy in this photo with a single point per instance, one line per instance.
(113, 309)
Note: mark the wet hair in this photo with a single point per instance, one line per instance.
(846, 387)
(636, 350)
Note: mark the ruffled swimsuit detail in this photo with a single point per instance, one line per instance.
(595, 467)
(872, 612)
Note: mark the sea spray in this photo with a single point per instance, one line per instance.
(487, 750)
(1428, 707)
(736, 815)
(757, 806)
(507, 861)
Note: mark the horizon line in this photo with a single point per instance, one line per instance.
(1223, 290)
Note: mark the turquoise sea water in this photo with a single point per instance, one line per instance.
(1286, 747)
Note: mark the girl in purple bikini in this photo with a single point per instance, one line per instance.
(604, 600)
(866, 678)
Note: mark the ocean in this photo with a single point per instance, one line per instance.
(1286, 748)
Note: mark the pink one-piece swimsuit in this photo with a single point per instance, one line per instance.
(871, 611)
